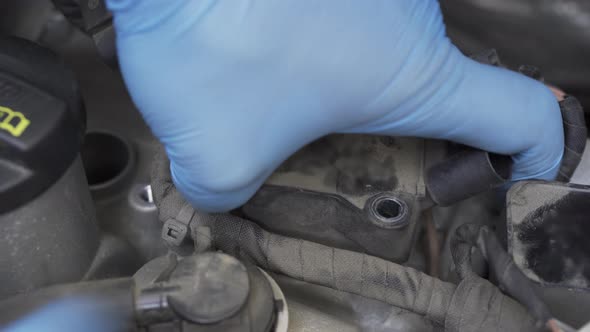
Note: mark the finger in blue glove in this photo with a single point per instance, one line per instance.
(70, 315)
(233, 88)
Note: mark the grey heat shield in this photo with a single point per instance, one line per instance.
(474, 304)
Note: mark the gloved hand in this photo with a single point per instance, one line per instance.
(71, 315)
(232, 88)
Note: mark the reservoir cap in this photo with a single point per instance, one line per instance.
(42, 121)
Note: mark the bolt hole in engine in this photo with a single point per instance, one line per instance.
(388, 211)
(107, 160)
(142, 198)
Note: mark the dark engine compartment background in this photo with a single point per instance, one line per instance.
(553, 35)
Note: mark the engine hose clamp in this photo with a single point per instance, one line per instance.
(176, 230)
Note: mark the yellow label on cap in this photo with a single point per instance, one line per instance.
(13, 122)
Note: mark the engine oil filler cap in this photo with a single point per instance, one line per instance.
(42, 121)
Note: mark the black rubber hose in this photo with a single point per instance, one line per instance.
(467, 174)
(471, 172)
(574, 128)
(474, 171)
(510, 278)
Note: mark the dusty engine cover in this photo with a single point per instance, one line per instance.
(354, 192)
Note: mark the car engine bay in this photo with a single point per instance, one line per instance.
(352, 233)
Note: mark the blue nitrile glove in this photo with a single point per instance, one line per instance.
(71, 315)
(232, 88)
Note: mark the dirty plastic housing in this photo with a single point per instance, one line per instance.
(325, 194)
(548, 233)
